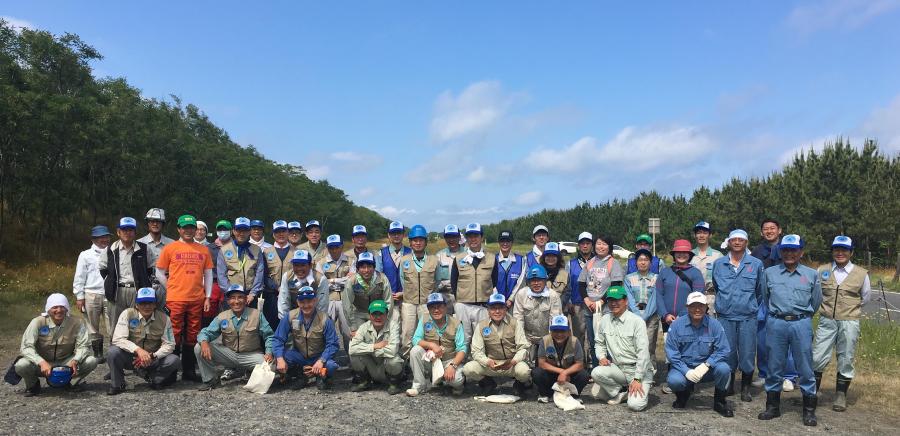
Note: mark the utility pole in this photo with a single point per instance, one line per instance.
(654, 229)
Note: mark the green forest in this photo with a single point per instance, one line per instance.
(77, 150)
(840, 190)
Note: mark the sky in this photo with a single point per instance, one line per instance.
(455, 112)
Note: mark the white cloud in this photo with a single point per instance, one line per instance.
(469, 211)
(496, 173)
(368, 191)
(837, 14)
(578, 156)
(318, 172)
(352, 156)
(883, 124)
(18, 24)
(440, 167)
(475, 110)
(392, 212)
(529, 198)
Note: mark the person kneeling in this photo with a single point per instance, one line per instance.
(443, 336)
(499, 348)
(697, 350)
(245, 332)
(623, 350)
(53, 340)
(374, 351)
(560, 358)
(143, 341)
(314, 339)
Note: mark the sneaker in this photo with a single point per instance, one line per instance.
(787, 386)
(758, 382)
(595, 390)
(412, 392)
(666, 389)
(618, 399)
(210, 385)
(543, 399)
(322, 384)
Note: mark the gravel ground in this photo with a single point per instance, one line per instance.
(231, 410)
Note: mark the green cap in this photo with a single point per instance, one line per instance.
(644, 238)
(378, 306)
(616, 292)
(187, 220)
(224, 223)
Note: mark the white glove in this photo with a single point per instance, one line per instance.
(696, 374)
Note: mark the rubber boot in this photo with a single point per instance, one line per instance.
(188, 361)
(840, 394)
(819, 380)
(746, 380)
(395, 385)
(521, 389)
(487, 385)
(730, 385)
(773, 406)
(809, 410)
(720, 404)
(362, 382)
(97, 346)
(681, 398)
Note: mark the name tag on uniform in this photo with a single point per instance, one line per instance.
(296, 323)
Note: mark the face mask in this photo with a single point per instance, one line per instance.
(223, 235)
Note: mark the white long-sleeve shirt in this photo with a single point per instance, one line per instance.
(87, 272)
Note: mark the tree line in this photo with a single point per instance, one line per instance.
(840, 190)
(76, 151)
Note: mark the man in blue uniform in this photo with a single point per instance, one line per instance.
(510, 267)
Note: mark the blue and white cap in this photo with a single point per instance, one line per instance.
(585, 235)
(235, 288)
(451, 230)
(279, 225)
(301, 257)
(395, 226)
(145, 295)
(333, 241)
(242, 222)
(359, 229)
(257, 223)
(127, 222)
(551, 248)
(540, 228)
(295, 225)
(738, 233)
(365, 257)
(435, 298)
(473, 228)
(842, 242)
(496, 298)
(791, 241)
(702, 225)
(98, 231)
(559, 322)
(313, 223)
(306, 293)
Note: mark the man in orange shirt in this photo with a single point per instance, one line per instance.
(189, 287)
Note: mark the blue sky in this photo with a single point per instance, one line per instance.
(456, 112)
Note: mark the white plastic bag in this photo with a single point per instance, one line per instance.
(562, 397)
(437, 366)
(499, 399)
(261, 378)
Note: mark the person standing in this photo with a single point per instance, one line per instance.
(241, 262)
(641, 287)
(313, 243)
(576, 307)
(125, 268)
(445, 258)
(704, 256)
(473, 279)
(389, 259)
(595, 278)
(510, 268)
(418, 273)
(643, 242)
(258, 234)
(278, 261)
(155, 241)
(540, 235)
(88, 288)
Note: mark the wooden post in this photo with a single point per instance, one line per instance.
(897, 269)
(869, 259)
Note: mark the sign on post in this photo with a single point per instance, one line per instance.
(654, 229)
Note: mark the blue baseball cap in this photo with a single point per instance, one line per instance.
(279, 225)
(312, 223)
(435, 298)
(559, 322)
(474, 228)
(791, 241)
(127, 223)
(295, 225)
(98, 231)
(359, 229)
(242, 222)
(496, 298)
(257, 223)
(306, 293)
(333, 241)
(301, 257)
(451, 230)
(842, 242)
(235, 288)
(702, 225)
(365, 257)
(395, 227)
(551, 248)
(145, 295)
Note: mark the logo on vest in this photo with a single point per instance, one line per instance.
(826, 274)
(271, 255)
(44, 331)
(406, 265)
(486, 331)
(551, 350)
(709, 266)
(428, 326)
(514, 275)
(229, 254)
(223, 324)
(326, 267)
(133, 323)
(462, 262)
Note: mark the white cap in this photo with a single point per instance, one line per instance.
(473, 228)
(395, 226)
(56, 300)
(295, 225)
(202, 224)
(156, 214)
(585, 235)
(791, 241)
(451, 229)
(842, 242)
(279, 225)
(695, 297)
(333, 241)
(538, 228)
(359, 229)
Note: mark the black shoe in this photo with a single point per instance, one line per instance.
(818, 376)
(360, 382)
(681, 399)
(773, 406)
(730, 391)
(809, 410)
(720, 404)
(488, 386)
(210, 385)
(107, 377)
(34, 390)
(521, 388)
(115, 390)
(395, 385)
(746, 380)
(169, 380)
(323, 384)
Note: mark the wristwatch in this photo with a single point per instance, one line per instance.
(453, 364)
(637, 379)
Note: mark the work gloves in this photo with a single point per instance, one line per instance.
(696, 374)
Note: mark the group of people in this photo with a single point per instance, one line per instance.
(310, 307)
